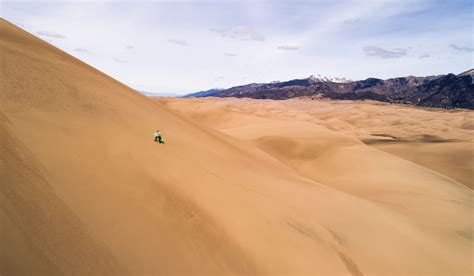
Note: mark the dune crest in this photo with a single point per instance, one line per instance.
(84, 189)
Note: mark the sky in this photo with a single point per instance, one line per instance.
(188, 46)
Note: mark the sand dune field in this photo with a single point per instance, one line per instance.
(241, 187)
(437, 139)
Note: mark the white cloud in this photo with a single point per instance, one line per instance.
(240, 32)
(178, 42)
(288, 48)
(51, 34)
(352, 21)
(462, 48)
(425, 55)
(383, 53)
(82, 50)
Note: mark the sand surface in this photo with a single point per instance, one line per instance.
(241, 187)
(437, 139)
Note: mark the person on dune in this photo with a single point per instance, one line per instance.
(159, 138)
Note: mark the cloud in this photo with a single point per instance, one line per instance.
(178, 42)
(129, 47)
(240, 33)
(462, 48)
(288, 48)
(230, 55)
(82, 50)
(51, 34)
(219, 78)
(375, 51)
(425, 55)
(352, 21)
(403, 49)
(120, 60)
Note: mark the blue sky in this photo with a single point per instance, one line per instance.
(187, 46)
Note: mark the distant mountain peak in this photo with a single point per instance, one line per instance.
(320, 78)
(468, 73)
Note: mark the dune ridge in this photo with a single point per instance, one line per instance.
(84, 189)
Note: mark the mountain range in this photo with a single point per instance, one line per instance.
(205, 93)
(443, 91)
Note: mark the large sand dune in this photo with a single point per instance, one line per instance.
(84, 189)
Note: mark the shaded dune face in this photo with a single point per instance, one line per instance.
(85, 189)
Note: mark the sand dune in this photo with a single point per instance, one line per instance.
(436, 139)
(85, 190)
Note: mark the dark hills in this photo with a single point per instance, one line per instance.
(444, 91)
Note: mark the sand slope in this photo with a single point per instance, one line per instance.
(84, 189)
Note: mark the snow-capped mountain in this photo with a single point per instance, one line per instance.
(320, 78)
